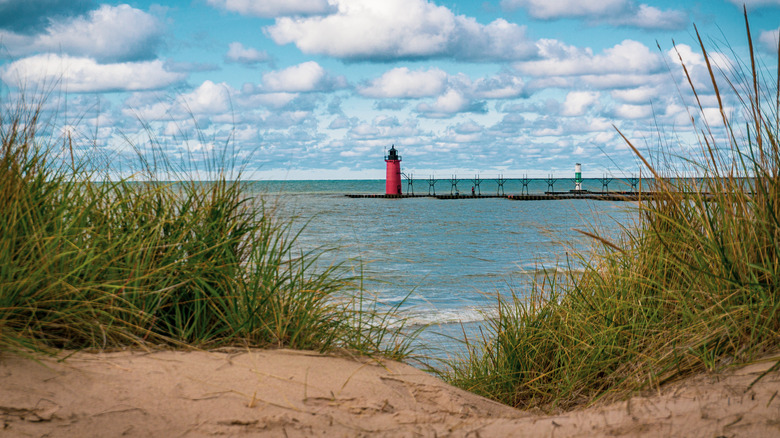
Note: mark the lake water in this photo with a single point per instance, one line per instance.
(444, 260)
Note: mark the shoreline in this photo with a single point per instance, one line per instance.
(300, 393)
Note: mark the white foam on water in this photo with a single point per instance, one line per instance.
(426, 317)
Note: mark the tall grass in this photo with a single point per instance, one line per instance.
(87, 263)
(693, 287)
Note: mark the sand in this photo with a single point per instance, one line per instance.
(284, 393)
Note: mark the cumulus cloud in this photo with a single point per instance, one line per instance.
(270, 100)
(501, 86)
(305, 77)
(448, 104)
(628, 111)
(383, 128)
(638, 95)
(577, 103)
(245, 55)
(616, 80)
(650, 17)
(389, 105)
(340, 122)
(85, 75)
(403, 83)
(453, 94)
(769, 40)
(695, 63)
(559, 59)
(402, 29)
(616, 12)
(208, 98)
(108, 34)
(552, 9)
(189, 67)
(29, 16)
(469, 127)
(274, 8)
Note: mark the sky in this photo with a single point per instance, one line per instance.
(320, 89)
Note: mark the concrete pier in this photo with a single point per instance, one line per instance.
(547, 196)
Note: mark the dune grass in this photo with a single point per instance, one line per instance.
(89, 263)
(693, 287)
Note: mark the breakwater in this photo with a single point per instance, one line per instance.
(546, 196)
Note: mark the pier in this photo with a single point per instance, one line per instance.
(394, 185)
(546, 196)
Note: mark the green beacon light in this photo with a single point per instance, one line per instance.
(578, 176)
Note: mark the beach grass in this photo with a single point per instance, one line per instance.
(692, 287)
(91, 262)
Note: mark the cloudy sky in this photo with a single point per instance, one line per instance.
(320, 89)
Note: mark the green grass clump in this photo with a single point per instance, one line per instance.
(88, 263)
(693, 287)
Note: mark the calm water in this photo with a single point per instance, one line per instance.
(446, 258)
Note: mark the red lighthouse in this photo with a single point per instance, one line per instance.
(393, 182)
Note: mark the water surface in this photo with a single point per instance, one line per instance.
(443, 260)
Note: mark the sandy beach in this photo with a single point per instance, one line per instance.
(295, 393)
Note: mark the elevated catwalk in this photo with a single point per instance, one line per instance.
(547, 196)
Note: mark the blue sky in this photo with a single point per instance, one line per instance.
(320, 89)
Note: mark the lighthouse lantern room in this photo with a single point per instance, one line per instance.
(393, 181)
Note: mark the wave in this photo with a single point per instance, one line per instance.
(426, 317)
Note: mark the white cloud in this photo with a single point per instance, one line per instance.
(562, 60)
(684, 54)
(208, 98)
(195, 110)
(108, 34)
(275, 100)
(245, 55)
(769, 39)
(502, 86)
(649, 17)
(155, 111)
(638, 95)
(179, 128)
(340, 122)
(308, 76)
(449, 104)
(713, 117)
(552, 9)
(697, 67)
(401, 29)
(403, 83)
(604, 137)
(577, 103)
(365, 130)
(253, 98)
(628, 111)
(85, 75)
(616, 12)
(616, 80)
(469, 127)
(273, 8)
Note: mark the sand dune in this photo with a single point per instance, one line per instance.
(293, 393)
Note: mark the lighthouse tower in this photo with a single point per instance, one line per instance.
(393, 182)
(578, 176)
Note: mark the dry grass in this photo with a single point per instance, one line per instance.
(98, 264)
(693, 287)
